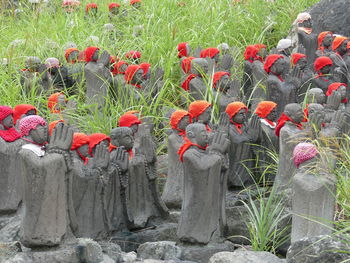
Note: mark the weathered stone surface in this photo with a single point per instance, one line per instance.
(202, 254)
(112, 250)
(129, 257)
(237, 230)
(90, 250)
(10, 227)
(9, 250)
(320, 249)
(335, 19)
(243, 256)
(164, 250)
(129, 241)
(162, 164)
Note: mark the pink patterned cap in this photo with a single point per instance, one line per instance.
(304, 151)
(30, 123)
(52, 63)
(5, 111)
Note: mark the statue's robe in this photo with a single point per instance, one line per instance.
(10, 176)
(46, 219)
(204, 191)
(309, 42)
(198, 88)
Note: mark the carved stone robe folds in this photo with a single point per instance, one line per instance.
(241, 157)
(143, 198)
(46, 209)
(203, 215)
(11, 186)
(88, 194)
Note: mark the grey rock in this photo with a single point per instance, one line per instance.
(107, 259)
(164, 250)
(335, 19)
(237, 230)
(242, 256)
(320, 249)
(9, 250)
(10, 227)
(129, 257)
(112, 250)
(89, 250)
(202, 254)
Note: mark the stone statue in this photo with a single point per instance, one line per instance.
(340, 49)
(341, 88)
(290, 132)
(22, 110)
(133, 56)
(284, 47)
(316, 95)
(313, 200)
(197, 86)
(241, 135)
(142, 196)
(306, 37)
(299, 61)
(74, 68)
(114, 9)
(173, 189)
(91, 10)
(325, 40)
(184, 50)
(59, 76)
(200, 111)
(10, 176)
(279, 90)
(135, 4)
(134, 81)
(89, 188)
(98, 76)
(222, 91)
(323, 66)
(204, 186)
(250, 55)
(47, 219)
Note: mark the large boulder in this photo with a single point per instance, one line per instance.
(331, 15)
(164, 250)
(320, 249)
(243, 256)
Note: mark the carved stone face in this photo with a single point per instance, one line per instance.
(279, 66)
(343, 47)
(205, 116)
(40, 134)
(138, 77)
(183, 123)
(273, 115)
(84, 150)
(316, 95)
(302, 63)
(240, 117)
(316, 108)
(73, 56)
(201, 136)
(342, 91)
(327, 41)
(96, 55)
(326, 69)
(307, 23)
(224, 83)
(127, 140)
(8, 122)
(134, 128)
(295, 112)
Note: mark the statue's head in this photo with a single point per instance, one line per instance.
(57, 102)
(134, 56)
(279, 66)
(199, 66)
(72, 55)
(295, 112)
(92, 54)
(114, 8)
(340, 44)
(32, 64)
(267, 110)
(274, 64)
(134, 74)
(97, 139)
(304, 152)
(224, 48)
(285, 46)
(131, 121)
(316, 95)
(34, 128)
(314, 108)
(299, 60)
(22, 110)
(237, 112)
(221, 81)
(200, 111)
(179, 120)
(135, 3)
(122, 137)
(304, 20)
(323, 65)
(327, 39)
(198, 134)
(339, 87)
(81, 144)
(91, 9)
(6, 117)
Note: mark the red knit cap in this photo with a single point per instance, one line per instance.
(250, 53)
(337, 42)
(334, 86)
(127, 120)
(296, 57)
(130, 72)
(21, 109)
(89, 6)
(145, 67)
(217, 76)
(234, 107)
(69, 51)
(89, 52)
(134, 1)
(260, 46)
(4, 112)
(209, 52)
(270, 60)
(119, 65)
(79, 139)
(176, 117)
(197, 107)
(113, 5)
(53, 124)
(133, 54)
(186, 64)
(321, 36)
(182, 48)
(52, 102)
(264, 108)
(321, 62)
(95, 139)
